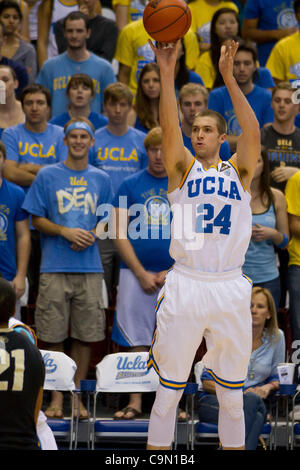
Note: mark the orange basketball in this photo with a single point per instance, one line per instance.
(167, 20)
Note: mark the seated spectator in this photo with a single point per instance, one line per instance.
(225, 25)
(265, 23)
(193, 98)
(11, 112)
(268, 350)
(244, 68)
(80, 91)
(133, 52)
(144, 115)
(283, 61)
(103, 31)
(14, 47)
(145, 260)
(20, 70)
(269, 228)
(202, 13)
(56, 72)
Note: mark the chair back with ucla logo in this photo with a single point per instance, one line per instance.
(124, 372)
(60, 371)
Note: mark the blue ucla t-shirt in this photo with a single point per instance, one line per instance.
(57, 71)
(271, 14)
(119, 155)
(40, 148)
(69, 198)
(11, 200)
(259, 99)
(149, 230)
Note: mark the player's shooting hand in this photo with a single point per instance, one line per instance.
(228, 51)
(166, 54)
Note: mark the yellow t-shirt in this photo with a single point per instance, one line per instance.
(202, 14)
(292, 195)
(134, 51)
(135, 8)
(284, 60)
(206, 70)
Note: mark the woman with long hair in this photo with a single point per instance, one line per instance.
(269, 228)
(268, 351)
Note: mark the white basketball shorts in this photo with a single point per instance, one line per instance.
(193, 305)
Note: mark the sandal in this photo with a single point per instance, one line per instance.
(128, 409)
(54, 412)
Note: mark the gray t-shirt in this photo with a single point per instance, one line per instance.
(26, 56)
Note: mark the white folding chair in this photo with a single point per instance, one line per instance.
(124, 372)
(60, 371)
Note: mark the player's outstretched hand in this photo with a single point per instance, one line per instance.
(166, 54)
(228, 51)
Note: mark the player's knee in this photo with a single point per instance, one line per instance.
(166, 399)
(231, 402)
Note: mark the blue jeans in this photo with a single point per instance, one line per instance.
(254, 410)
(294, 293)
(274, 287)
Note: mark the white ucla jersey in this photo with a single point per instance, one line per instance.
(211, 225)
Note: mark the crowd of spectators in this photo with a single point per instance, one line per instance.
(82, 61)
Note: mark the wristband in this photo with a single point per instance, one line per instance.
(284, 241)
(93, 235)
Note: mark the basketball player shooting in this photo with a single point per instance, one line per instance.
(205, 294)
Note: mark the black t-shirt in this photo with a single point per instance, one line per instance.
(102, 40)
(22, 374)
(281, 148)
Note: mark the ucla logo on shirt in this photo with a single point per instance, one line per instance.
(49, 363)
(36, 150)
(116, 154)
(157, 211)
(127, 368)
(286, 18)
(74, 181)
(4, 211)
(212, 185)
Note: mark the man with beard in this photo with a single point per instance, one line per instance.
(244, 69)
(56, 72)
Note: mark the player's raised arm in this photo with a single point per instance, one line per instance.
(176, 156)
(248, 144)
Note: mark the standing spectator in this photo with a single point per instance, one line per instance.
(14, 47)
(22, 379)
(11, 112)
(133, 52)
(127, 11)
(119, 151)
(284, 59)
(57, 71)
(63, 201)
(270, 229)
(282, 138)
(14, 232)
(104, 31)
(20, 70)
(267, 22)
(193, 98)
(292, 194)
(80, 91)
(224, 26)
(29, 147)
(145, 259)
(144, 115)
(244, 68)
(202, 13)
